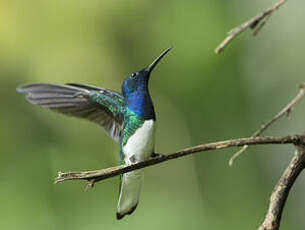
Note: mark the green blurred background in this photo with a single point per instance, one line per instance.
(199, 97)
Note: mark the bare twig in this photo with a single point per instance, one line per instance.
(281, 190)
(98, 175)
(285, 111)
(255, 24)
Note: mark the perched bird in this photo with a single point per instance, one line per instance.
(128, 116)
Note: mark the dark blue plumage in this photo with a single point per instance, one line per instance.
(136, 94)
(135, 91)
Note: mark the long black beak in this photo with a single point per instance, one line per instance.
(155, 62)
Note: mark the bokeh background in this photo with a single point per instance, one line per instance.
(199, 97)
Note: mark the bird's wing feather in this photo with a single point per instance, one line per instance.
(99, 105)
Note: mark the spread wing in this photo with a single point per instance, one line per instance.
(102, 106)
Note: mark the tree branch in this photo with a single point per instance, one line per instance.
(255, 24)
(98, 175)
(285, 111)
(281, 190)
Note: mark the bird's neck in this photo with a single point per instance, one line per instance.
(141, 104)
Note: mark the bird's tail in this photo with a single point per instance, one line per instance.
(130, 189)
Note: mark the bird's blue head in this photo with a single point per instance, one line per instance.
(135, 90)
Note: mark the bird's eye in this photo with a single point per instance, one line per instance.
(133, 75)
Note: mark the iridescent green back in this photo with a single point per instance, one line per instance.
(131, 123)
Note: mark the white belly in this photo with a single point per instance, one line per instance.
(140, 145)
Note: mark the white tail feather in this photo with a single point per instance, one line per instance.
(129, 193)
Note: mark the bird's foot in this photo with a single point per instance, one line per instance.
(154, 155)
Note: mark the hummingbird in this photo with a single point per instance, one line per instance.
(128, 117)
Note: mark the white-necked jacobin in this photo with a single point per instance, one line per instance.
(128, 116)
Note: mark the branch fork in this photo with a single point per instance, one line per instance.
(282, 188)
(255, 24)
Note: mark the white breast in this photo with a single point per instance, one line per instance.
(140, 145)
